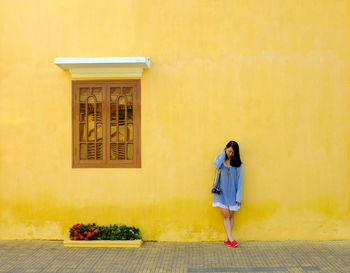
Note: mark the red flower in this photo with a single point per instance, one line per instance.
(86, 238)
(95, 230)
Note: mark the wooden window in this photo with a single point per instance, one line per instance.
(106, 124)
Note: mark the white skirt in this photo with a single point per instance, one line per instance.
(221, 205)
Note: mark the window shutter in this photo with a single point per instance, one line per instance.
(106, 123)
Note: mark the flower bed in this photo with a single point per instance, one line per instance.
(92, 235)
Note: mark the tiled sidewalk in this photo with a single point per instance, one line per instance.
(250, 256)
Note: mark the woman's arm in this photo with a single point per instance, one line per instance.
(219, 159)
(240, 178)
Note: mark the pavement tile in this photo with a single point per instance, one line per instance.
(177, 257)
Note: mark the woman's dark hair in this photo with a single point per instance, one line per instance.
(235, 159)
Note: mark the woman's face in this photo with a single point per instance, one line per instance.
(229, 152)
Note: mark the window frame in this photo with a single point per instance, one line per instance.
(106, 162)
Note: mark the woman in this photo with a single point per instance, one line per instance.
(229, 176)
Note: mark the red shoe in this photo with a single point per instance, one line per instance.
(228, 243)
(234, 243)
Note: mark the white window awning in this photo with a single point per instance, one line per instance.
(96, 67)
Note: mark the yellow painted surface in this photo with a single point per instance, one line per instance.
(272, 75)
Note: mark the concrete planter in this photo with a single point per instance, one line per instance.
(103, 243)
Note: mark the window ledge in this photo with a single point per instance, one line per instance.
(104, 66)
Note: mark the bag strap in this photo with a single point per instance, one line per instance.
(216, 175)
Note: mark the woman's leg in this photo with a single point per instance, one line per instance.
(227, 223)
(231, 222)
(231, 219)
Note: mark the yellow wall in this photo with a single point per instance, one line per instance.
(272, 75)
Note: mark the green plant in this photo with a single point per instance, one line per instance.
(111, 232)
(123, 232)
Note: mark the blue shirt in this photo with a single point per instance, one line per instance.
(230, 180)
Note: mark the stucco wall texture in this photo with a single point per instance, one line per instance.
(271, 75)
